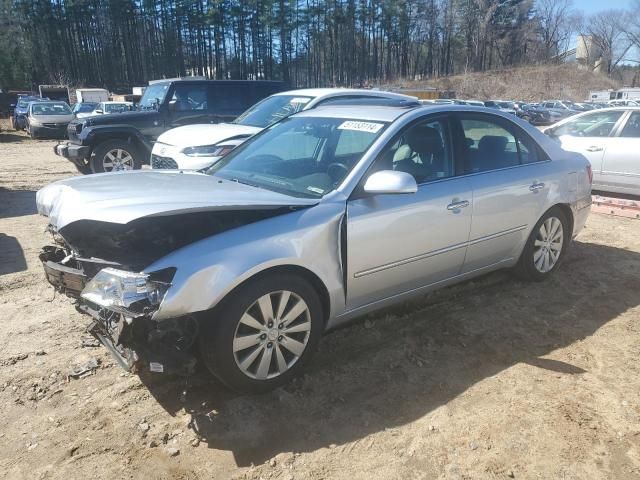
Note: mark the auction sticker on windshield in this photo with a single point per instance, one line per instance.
(370, 127)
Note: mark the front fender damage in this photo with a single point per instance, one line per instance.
(85, 247)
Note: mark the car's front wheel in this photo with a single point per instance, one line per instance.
(545, 247)
(263, 334)
(114, 156)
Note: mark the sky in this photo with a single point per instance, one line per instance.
(593, 6)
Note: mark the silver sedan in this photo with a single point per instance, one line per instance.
(325, 216)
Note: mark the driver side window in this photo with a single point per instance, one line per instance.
(597, 124)
(190, 97)
(422, 150)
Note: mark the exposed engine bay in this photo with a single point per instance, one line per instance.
(136, 244)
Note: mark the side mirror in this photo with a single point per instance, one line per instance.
(390, 182)
(99, 111)
(173, 105)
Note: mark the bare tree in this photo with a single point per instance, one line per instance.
(633, 27)
(556, 24)
(609, 32)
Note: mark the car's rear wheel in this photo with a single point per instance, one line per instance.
(263, 334)
(545, 247)
(114, 156)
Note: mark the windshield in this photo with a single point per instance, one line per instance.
(24, 102)
(116, 107)
(57, 108)
(153, 96)
(302, 157)
(84, 107)
(272, 109)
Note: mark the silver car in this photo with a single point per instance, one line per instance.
(610, 139)
(329, 214)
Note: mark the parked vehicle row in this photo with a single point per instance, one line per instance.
(121, 141)
(333, 211)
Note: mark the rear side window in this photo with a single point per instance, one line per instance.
(488, 145)
(632, 128)
(235, 98)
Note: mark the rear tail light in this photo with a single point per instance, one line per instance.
(590, 174)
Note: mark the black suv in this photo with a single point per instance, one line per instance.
(122, 141)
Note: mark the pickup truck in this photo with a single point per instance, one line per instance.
(123, 141)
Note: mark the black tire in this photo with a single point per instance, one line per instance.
(526, 268)
(220, 325)
(103, 149)
(31, 134)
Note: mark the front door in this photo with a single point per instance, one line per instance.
(397, 243)
(189, 104)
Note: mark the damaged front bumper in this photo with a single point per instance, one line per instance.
(135, 341)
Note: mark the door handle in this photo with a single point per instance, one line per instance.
(458, 205)
(594, 148)
(536, 186)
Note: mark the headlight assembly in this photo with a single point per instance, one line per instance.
(208, 150)
(132, 294)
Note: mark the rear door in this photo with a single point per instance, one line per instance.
(510, 178)
(621, 165)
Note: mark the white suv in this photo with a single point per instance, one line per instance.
(193, 147)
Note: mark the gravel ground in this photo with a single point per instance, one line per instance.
(492, 379)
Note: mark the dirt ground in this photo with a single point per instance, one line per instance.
(492, 379)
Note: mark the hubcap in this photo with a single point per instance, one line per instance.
(272, 335)
(116, 160)
(548, 244)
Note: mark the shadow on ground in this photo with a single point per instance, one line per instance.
(11, 255)
(413, 358)
(8, 137)
(17, 203)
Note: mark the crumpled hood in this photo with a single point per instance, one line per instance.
(205, 134)
(121, 197)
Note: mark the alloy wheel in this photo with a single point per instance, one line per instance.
(116, 160)
(272, 335)
(548, 244)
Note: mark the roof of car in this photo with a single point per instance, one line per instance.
(325, 92)
(371, 113)
(115, 101)
(47, 101)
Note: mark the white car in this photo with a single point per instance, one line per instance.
(194, 147)
(610, 139)
(104, 108)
